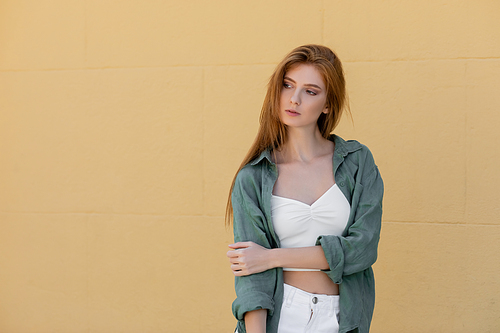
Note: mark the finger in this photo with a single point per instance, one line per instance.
(233, 254)
(236, 268)
(240, 273)
(240, 245)
(237, 265)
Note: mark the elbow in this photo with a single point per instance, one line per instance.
(362, 261)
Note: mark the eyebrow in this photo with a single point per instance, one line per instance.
(307, 84)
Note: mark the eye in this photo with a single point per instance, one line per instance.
(310, 92)
(286, 85)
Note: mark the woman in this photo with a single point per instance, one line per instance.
(306, 208)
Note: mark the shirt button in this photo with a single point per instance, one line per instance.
(315, 300)
(342, 184)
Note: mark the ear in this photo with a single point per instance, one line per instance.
(325, 110)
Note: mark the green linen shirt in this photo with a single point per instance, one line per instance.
(349, 256)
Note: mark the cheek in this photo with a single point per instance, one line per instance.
(284, 93)
(320, 105)
(283, 98)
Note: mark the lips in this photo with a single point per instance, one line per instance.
(292, 112)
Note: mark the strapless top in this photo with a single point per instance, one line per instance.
(298, 224)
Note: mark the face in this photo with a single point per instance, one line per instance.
(303, 97)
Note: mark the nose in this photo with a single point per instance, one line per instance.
(295, 98)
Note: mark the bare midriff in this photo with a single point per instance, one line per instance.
(314, 282)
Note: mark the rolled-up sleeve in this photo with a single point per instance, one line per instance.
(357, 250)
(254, 291)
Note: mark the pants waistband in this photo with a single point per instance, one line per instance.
(296, 295)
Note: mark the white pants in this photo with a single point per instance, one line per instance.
(305, 312)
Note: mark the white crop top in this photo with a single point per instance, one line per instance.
(298, 224)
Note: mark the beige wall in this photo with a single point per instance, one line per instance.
(122, 123)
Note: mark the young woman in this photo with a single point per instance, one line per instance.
(306, 208)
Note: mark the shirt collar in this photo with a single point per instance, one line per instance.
(342, 147)
(266, 154)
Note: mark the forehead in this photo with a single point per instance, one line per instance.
(305, 74)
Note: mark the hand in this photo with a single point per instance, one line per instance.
(248, 258)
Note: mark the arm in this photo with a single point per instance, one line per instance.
(250, 258)
(255, 321)
(254, 292)
(357, 251)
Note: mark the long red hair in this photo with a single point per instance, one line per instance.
(272, 132)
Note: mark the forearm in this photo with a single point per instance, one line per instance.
(255, 321)
(311, 257)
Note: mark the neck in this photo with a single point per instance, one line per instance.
(303, 145)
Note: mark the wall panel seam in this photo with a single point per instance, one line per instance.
(203, 185)
(238, 64)
(101, 213)
(461, 224)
